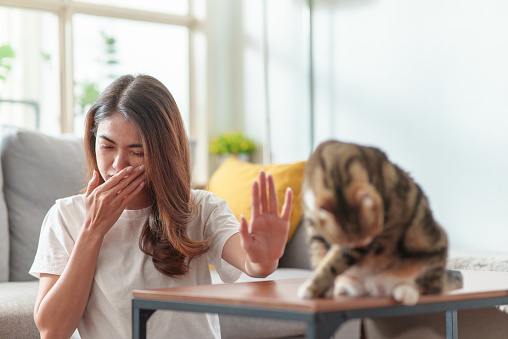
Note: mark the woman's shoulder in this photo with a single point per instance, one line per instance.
(211, 216)
(204, 198)
(208, 203)
(72, 203)
(66, 214)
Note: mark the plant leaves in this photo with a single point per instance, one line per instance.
(6, 51)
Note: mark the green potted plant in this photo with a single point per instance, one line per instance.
(232, 143)
(6, 56)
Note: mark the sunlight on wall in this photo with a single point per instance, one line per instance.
(426, 81)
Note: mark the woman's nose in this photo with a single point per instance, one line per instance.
(120, 162)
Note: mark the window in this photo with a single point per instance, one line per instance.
(29, 66)
(179, 7)
(56, 56)
(106, 48)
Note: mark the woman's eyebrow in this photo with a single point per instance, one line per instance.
(135, 146)
(102, 136)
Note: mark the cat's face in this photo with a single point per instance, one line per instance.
(355, 228)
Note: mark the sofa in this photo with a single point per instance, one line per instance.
(36, 169)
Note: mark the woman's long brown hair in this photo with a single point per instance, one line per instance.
(148, 104)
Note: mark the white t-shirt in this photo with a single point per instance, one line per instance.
(122, 267)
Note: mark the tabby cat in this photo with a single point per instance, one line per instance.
(371, 230)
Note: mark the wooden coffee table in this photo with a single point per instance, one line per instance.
(278, 300)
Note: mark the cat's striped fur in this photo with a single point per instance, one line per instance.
(371, 228)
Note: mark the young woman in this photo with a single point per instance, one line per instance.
(140, 225)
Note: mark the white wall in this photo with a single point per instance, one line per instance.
(426, 81)
(237, 86)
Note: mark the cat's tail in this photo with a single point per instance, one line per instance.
(453, 280)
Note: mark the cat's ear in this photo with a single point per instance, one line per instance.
(325, 204)
(366, 199)
(325, 201)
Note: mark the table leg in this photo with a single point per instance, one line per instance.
(323, 326)
(452, 331)
(139, 319)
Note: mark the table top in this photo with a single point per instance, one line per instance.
(282, 294)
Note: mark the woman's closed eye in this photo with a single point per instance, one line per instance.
(138, 154)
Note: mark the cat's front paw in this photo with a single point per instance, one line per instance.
(305, 291)
(406, 294)
(310, 289)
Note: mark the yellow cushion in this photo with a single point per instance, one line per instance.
(232, 181)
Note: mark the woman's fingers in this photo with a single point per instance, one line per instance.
(262, 191)
(133, 188)
(128, 180)
(244, 228)
(120, 188)
(274, 204)
(117, 183)
(263, 201)
(288, 204)
(117, 179)
(92, 184)
(254, 202)
(267, 202)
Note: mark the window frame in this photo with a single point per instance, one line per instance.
(65, 9)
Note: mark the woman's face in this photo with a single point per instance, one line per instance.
(117, 146)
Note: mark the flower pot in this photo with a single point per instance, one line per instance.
(240, 156)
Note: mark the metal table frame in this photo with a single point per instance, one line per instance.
(319, 324)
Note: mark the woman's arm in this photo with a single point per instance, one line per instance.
(61, 300)
(256, 250)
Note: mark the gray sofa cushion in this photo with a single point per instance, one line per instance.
(296, 254)
(4, 235)
(17, 310)
(233, 327)
(28, 193)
